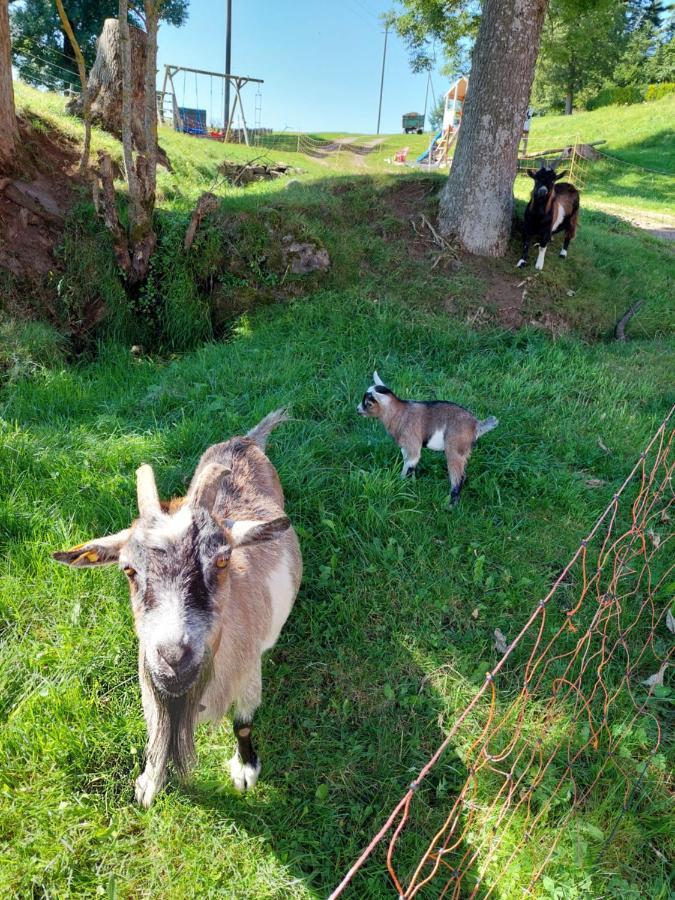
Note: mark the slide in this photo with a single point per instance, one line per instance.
(429, 148)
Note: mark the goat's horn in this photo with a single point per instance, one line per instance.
(146, 490)
(205, 490)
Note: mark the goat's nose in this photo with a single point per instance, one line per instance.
(175, 656)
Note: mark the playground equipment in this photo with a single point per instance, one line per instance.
(194, 120)
(430, 149)
(412, 122)
(438, 152)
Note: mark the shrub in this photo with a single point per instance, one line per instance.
(617, 96)
(656, 91)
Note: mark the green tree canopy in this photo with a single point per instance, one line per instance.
(42, 52)
(586, 44)
(580, 47)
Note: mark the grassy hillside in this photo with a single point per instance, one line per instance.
(383, 648)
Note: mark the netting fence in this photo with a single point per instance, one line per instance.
(643, 196)
(571, 718)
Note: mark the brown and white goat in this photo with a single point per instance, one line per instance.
(213, 577)
(552, 208)
(436, 424)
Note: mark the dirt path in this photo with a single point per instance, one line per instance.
(661, 225)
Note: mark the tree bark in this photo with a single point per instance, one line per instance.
(569, 102)
(477, 201)
(150, 117)
(9, 131)
(105, 85)
(135, 246)
(86, 106)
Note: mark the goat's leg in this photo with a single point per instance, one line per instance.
(410, 459)
(153, 777)
(456, 459)
(523, 256)
(245, 764)
(543, 244)
(570, 232)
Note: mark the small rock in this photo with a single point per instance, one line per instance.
(304, 258)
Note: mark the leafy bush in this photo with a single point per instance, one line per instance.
(617, 96)
(656, 91)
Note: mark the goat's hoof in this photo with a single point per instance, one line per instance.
(146, 790)
(244, 775)
(563, 253)
(521, 264)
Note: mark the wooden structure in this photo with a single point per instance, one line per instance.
(169, 90)
(452, 119)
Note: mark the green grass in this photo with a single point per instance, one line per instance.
(640, 134)
(381, 651)
(390, 581)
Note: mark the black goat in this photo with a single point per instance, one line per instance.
(552, 208)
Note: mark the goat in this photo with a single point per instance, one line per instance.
(213, 577)
(436, 424)
(552, 208)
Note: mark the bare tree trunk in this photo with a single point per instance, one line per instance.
(569, 102)
(150, 118)
(9, 131)
(141, 175)
(477, 201)
(86, 106)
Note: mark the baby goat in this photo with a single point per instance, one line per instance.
(213, 577)
(552, 208)
(436, 424)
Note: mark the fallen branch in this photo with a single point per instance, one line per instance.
(206, 204)
(620, 327)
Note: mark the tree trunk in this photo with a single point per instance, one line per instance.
(140, 175)
(150, 119)
(477, 201)
(9, 131)
(105, 83)
(569, 101)
(105, 86)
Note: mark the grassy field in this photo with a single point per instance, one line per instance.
(382, 649)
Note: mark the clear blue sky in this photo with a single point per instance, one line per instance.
(320, 61)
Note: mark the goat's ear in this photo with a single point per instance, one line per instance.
(531, 173)
(251, 531)
(377, 380)
(560, 175)
(103, 551)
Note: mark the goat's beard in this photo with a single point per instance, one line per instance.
(177, 718)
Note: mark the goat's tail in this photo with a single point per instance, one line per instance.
(486, 425)
(262, 430)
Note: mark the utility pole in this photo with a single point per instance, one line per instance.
(384, 59)
(228, 64)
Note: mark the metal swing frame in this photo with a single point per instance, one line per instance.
(236, 81)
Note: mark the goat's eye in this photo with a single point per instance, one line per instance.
(129, 572)
(220, 561)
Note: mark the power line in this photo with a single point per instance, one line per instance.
(366, 9)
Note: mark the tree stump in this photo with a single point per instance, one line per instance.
(105, 86)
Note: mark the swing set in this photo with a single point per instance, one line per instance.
(198, 121)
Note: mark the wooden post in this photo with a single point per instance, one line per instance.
(237, 85)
